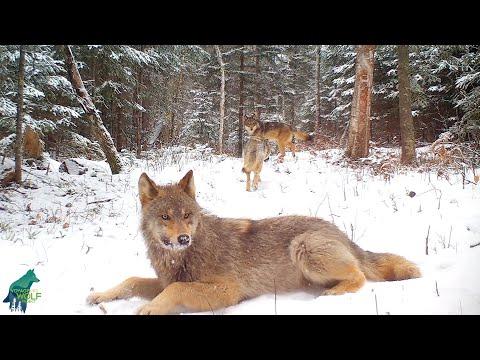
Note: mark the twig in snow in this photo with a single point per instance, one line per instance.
(426, 240)
(39, 178)
(436, 288)
(100, 201)
(376, 304)
(17, 191)
(473, 245)
(330, 208)
(101, 307)
(449, 236)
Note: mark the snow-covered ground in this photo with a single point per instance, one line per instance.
(80, 232)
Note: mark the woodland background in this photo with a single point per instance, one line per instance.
(154, 96)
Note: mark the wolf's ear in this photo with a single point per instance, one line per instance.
(187, 184)
(147, 189)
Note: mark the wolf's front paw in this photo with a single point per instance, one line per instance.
(332, 292)
(150, 309)
(99, 297)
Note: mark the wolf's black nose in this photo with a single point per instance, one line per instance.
(183, 239)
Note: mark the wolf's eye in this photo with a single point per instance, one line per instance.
(165, 217)
(186, 216)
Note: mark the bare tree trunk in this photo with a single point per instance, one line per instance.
(19, 132)
(222, 99)
(174, 89)
(112, 119)
(120, 129)
(317, 97)
(359, 127)
(407, 133)
(240, 107)
(117, 128)
(98, 128)
(139, 122)
(139, 119)
(257, 83)
(292, 119)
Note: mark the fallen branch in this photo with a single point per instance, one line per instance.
(473, 245)
(100, 201)
(39, 178)
(16, 191)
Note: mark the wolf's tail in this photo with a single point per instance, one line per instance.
(387, 267)
(302, 136)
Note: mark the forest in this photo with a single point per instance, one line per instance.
(151, 97)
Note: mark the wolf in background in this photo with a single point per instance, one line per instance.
(255, 152)
(204, 262)
(282, 133)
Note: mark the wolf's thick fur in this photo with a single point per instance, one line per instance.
(256, 150)
(282, 133)
(229, 260)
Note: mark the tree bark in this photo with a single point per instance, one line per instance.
(121, 142)
(19, 132)
(359, 127)
(138, 135)
(257, 83)
(407, 133)
(98, 128)
(240, 107)
(139, 120)
(175, 89)
(317, 81)
(292, 111)
(222, 98)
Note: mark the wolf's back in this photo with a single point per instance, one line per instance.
(302, 135)
(254, 154)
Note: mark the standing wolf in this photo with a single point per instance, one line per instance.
(204, 262)
(282, 133)
(255, 152)
(20, 290)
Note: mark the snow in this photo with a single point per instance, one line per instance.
(84, 229)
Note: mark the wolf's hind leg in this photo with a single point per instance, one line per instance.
(133, 286)
(248, 180)
(256, 180)
(327, 262)
(291, 145)
(281, 148)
